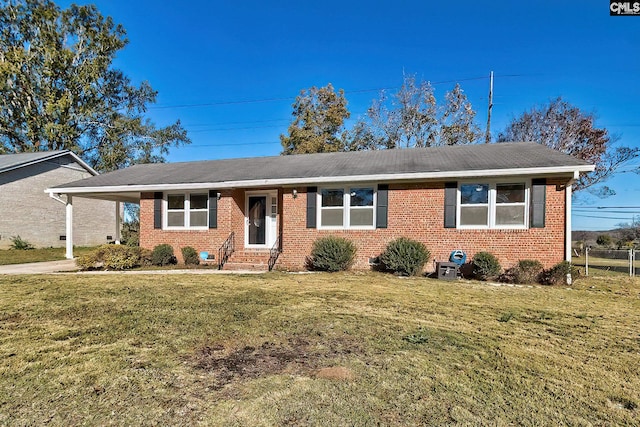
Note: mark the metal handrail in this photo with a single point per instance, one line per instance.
(274, 252)
(225, 251)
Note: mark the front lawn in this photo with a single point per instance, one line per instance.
(14, 256)
(317, 349)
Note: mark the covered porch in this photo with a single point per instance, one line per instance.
(237, 225)
(67, 199)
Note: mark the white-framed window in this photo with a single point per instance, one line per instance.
(187, 210)
(485, 204)
(347, 207)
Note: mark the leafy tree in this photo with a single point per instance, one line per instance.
(566, 128)
(131, 224)
(318, 124)
(604, 240)
(59, 90)
(412, 118)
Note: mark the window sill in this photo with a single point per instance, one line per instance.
(492, 229)
(347, 228)
(185, 228)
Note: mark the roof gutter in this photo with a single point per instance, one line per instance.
(389, 177)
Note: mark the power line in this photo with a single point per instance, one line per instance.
(601, 217)
(235, 123)
(288, 98)
(230, 144)
(615, 212)
(237, 128)
(606, 207)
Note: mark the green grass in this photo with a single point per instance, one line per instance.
(319, 349)
(13, 256)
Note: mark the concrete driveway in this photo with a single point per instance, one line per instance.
(69, 265)
(39, 267)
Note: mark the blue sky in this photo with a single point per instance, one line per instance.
(207, 59)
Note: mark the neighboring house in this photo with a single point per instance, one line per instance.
(27, 211)
(512, 199)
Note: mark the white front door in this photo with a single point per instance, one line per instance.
(261, 228)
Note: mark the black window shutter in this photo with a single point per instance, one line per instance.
(450, 201)
(382, 207)
(311, 206)
(538, 202)
(213, 209)
(157, 210)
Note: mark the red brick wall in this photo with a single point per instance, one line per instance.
(415, 211)
(230, 218)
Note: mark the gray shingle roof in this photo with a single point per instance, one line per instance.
(13, 161)
(306, 167)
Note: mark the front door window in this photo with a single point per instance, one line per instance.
(257, 217)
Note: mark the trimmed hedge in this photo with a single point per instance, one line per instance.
(111, 257)
(332, 253)
(405, 256)
(163, 255)
(527, 271)
(485, 265)
(190, 256)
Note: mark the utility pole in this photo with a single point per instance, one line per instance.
(487, 138)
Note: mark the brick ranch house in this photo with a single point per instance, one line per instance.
(512, 199)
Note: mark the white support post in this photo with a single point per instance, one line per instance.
(118, 223)
(69, 225)
(586, 260)
(567, 231)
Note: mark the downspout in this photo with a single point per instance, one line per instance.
(68, 223)
(567, 206)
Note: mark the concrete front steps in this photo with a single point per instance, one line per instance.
(248, 259)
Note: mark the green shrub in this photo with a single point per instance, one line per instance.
(332, 253)
(485, 265)
(113, 257)
(527, 271)
(557, 275)
(20, 244)
(89, 260)
(146, 257)
(163, 255)
(120, 257)
(190, 256)
(405, 257)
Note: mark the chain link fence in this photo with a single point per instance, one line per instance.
(621, 260)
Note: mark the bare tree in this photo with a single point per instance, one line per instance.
(412, 118)
(566, 128)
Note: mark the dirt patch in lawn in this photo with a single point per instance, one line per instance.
(297, 355)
